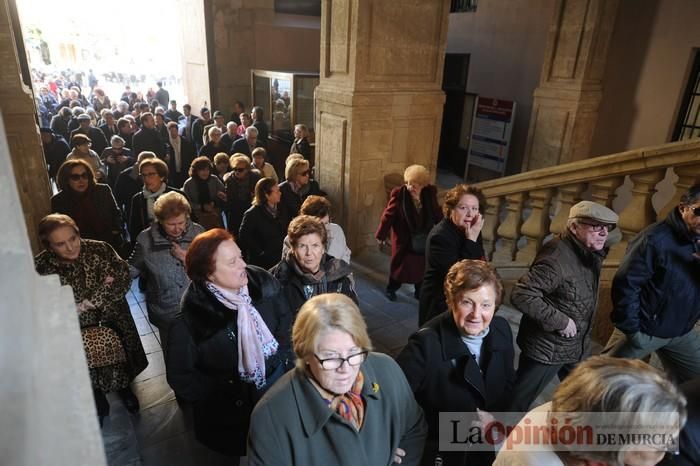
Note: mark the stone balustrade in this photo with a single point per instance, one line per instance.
(522, 210)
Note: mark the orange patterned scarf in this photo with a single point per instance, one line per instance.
(350, 406)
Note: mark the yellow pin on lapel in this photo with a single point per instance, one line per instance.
(375, 387)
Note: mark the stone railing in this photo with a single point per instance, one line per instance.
(522, 210)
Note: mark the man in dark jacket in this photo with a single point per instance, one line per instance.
(59, 122)
(99, 142)
(55, 150)
(180, 156)
(198, 128)
(656, 292)
(148, 138)
(162, 96)
(245, 145)
(558, 297)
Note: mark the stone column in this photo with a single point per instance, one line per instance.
(565, 106)
(231, 26)
(379, 102)
(17, 108)
(193, 46)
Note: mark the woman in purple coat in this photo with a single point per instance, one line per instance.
(410, 214)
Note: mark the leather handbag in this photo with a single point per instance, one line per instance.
(103, 347)
(418, 242)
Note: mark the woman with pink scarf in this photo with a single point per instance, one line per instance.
(230, 342)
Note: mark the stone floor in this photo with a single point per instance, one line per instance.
(161, 433)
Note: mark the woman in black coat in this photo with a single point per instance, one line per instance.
(462, 360)
(90, 204)
(307, 270)
(264, 226)
(457, 236)
(228, 307)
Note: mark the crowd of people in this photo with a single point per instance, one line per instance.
(249, 283)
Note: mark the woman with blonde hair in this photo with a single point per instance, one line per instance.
(343, 404)
(622, 396)
(301, 141)
(410, 214)
(298, 185)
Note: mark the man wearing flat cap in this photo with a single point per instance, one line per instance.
(656, 292)
(99, 141)
(558, 297)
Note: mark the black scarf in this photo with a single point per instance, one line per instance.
(202, 190)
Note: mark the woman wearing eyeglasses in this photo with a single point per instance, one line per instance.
(240, 190)
(457, 236)
(90, 204)
(229, 343)
(82, 151)
(342, 404)
(298, 185)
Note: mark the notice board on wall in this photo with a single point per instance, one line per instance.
(492, 126)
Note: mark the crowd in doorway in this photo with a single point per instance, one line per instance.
(249, 282)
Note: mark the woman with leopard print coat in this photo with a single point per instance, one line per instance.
(100, 281)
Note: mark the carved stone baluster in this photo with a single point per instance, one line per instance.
(603, 191)
(536, 226)
(509, 230)
(568, 196)
(488, 233)
(688, 175)
(639, 212)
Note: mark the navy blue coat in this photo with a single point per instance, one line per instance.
(656, 290)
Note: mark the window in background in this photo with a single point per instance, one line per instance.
(688, 124)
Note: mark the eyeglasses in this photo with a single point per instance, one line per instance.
(306, 173)
(239, 170)
(598, 227)
(149, 175)
(696, 211)
(330, 364)
(78, 176)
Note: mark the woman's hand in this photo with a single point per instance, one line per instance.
(84, 306)
(221, 195)
(208, 207)
(474, 228)
(398, 455)
(177, 252)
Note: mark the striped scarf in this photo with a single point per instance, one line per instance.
(350, 406)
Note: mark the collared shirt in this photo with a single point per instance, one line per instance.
(176, 144)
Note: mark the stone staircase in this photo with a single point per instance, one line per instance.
(525, 210)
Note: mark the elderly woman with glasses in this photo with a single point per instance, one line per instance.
(90, 204)
(457, 236)
(240, 190)
(229, 343)
(154, 173)
(82, 151)
(462, 360)
(343, 404)
(205, 192)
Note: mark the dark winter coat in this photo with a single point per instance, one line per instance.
(301, 146)
(59, 125)
(148, 139)
(562, 284)
(107, 225)
(261, 235)
(187, 155)
(690, 434)
(239, 198)
(446, 245)
(292, 425)
(127, 185)
(202, 359)
(263, 132)
(108, 131)
(99, 141)
(445, 377)
(55, 153)
(115, 168)
(210, 149)
(657, 287)
(299, 286)
(241, 146)
(198, 132)
(293, 200)
(400, 216)
(138, 213)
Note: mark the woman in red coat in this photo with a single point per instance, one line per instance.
(410, 214)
